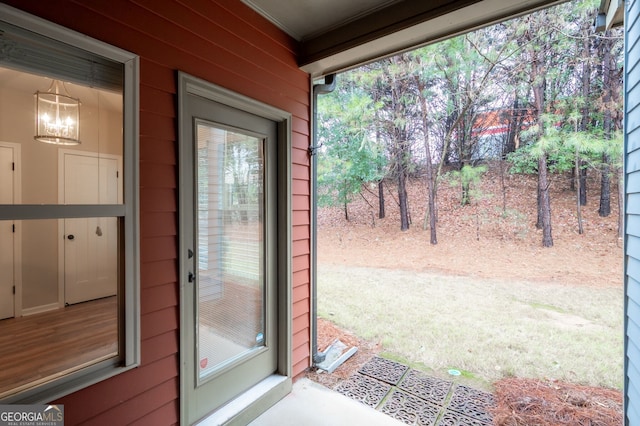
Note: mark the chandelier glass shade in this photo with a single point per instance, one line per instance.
(57, 116)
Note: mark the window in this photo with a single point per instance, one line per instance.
(68, 210)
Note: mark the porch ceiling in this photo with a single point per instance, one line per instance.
(338, 34)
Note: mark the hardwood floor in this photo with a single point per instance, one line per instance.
(37, 348)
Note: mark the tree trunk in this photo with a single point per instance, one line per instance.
(581, 170)
(381, 213)
(346, 212)
(545, 202)
(605, 188)
(539, 205)
(578, 179)
(431, 202)
(608, 78)
(402, 199)
(432, 210)
(582, 196)
(620, 204)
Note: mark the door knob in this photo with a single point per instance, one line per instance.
(70, 237)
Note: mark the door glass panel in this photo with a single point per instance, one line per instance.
(230, 250)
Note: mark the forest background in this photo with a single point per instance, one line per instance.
(538, 95)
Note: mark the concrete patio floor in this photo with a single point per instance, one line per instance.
(312, 404)
(382, 392)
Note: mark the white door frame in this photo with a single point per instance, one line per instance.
(61, 174)
(17, 240)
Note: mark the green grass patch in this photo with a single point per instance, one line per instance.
(488, 329)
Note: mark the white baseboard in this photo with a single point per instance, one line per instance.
(40, 309)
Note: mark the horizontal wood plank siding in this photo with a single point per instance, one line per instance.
(226, 43)
(632, 220)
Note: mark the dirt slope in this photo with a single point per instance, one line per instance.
(483, 239)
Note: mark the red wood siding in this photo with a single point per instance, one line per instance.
(226, 43)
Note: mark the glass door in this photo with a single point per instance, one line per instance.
(228, 214)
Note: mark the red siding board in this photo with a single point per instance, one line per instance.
(155, 75)
(157, 224)
(156, 298)
(300, 368)
(301, 202)
(157, 248)
(300, 307)
(165, 415)
(300, 172)
(301, 186)
(158, 199)
(300, 263)
(159, 347)
(300, 156)
(300, 280)
(158, 151)
(158, 322)
(301, 217)
(227, 43)
(135, 409)
(301, 125)
(115, 391)
(252, 47)
(300, 141)
(301, 338)
(158, 175)
(301, 247)
(158, 273)
(301, 232)
(156, 125)
(158, 101)
(300, 323)
(301, 353)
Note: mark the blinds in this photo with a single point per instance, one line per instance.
(24, 50)
(231, 291)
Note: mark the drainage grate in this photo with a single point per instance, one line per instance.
(364, 389)
(429, 388)
(451, 418)
(384, 369)
(410, 409)
(472, 403)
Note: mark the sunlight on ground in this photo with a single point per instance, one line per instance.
(488, 328)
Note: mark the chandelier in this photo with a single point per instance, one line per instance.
(57, 116)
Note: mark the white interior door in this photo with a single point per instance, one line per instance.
(90, 244)
(7, 235)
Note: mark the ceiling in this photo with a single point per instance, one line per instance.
(335, 35)
(27, 84)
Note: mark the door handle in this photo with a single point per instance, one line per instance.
(191, 277)
(70, 237)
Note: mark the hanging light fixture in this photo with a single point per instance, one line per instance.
(57, 116)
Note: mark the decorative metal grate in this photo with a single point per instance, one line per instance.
(410, 409)
(472, 403)
(451, 418)
(429, 388)
(364, 389)
(383, 369)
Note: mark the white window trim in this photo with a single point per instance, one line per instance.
(130, 339)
